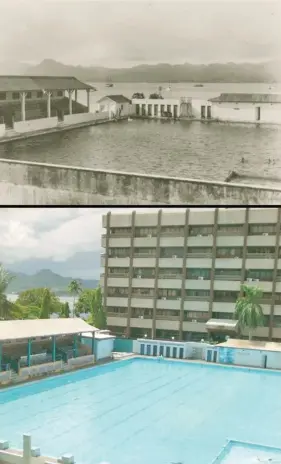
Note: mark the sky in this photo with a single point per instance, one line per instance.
(125, 33)
(53, 238)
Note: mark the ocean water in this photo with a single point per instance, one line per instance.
(144, 411)
(180, 149)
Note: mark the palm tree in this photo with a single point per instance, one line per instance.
(5, 279)
(74, 289)
(46, 304)
(248, 310)
(97, 316)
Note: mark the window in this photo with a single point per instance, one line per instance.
(170, 273)
(28, 95)
(172, 230)
(231, 229)
(119, 252)
(60, 93)
(204, 294)
(140, 292)
(200, 230)
(260, 274)
(171, 252)
(167, 314)
(276, 321)
(141, 313)
(227, 316)
(197, 273)
(267, 252)
(3, 95)
(15, 96)
(260, 229)
(198, 316)
(145, 231)
(118, 291)
(118, 271)
(39, 94)
(117, 311)
(169, 294)
(145, 252)
(145, 273)
(120, 231)
(225, 296)
(227, 252)
(203, 252)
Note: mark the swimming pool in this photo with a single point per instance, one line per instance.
(141, 411)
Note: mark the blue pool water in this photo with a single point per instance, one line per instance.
(142, 411)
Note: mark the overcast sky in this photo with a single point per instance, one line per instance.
(115, 33)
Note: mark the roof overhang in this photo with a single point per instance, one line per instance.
(36, 328)
(222, 325)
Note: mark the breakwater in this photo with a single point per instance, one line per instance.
(31, 183)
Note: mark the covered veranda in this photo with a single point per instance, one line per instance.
(219, 329)
(52, 337)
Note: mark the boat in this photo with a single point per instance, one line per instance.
(168, 88)
(198, 85)
(109, 83)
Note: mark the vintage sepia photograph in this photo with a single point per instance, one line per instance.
(140, 102)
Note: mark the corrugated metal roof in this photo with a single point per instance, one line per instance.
(18, 329)
(251, 345)
(247, 98)
(21, 83)
(116, 98)
(227, 324)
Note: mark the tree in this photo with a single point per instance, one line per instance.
(74, 289)
(5, 305)
(34, 296)
(138, 95)
(46, 304)
(155, 96)
(97, 316)
(248, 310)
(25, 312)
(65, 311)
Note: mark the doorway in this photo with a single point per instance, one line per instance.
(148, 350)
(161, 351)
(215, 356)
(142, 349)
(258, 113)
(209, 112)
(203, 112)
(209, 356)
(175, 352)
(264, 361)
(167, 352)
(154, 350)
(181, 353)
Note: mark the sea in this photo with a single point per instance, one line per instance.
(169, 148)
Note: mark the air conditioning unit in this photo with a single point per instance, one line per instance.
(139, 276)
(257, 280)
(249, 280)
(265, 234)
(199, 235)
(194, 320)
(174, 256)
(149, 236)
(178, 298)
(200, 278)
(164, 298)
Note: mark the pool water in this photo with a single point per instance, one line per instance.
(141, 411)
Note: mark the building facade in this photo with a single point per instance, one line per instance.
(166, 274)
(117, 106)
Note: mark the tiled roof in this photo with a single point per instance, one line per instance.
(56, 104)
(28, 83)
(247, 98)
(116, 98)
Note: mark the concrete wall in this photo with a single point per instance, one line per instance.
(82, 117)
(28, 183)
(123, 345)
(104, 348)
(249, 358)
(35, 124)
(246, 112)
(2, 130)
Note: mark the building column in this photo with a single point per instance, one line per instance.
(75, 95)
(23, 95)
(159, 110)
(155, 299)
(49, 104)
(75, 346)
(26, 455)
(0, 357)
(88, 100)
(70, 101)
(93, 343)
(146, 109)
(53, 349)
(184, 278)
(29, 351)
(131, 271)
(275, 270)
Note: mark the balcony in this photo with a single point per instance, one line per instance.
(260, 255)
(109, 314)
(230, 233)
(144, 255)
(199, 255)
(172, 234)
(167, 318)
(142, 296)
(196, 298)
(227, 277)
(117, 274)
(173, 276)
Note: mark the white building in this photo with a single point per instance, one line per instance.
(162, 107)
(244, 107)
(117, 106)
(166, 274)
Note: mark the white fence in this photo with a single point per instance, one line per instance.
(81, 361)
(35, 124)
(41, 369)
(5, 376)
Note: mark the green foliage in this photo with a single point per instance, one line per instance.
(34, 297)
(97, 316)
(46, 304)
(5, 305)
(74, 288)
(25, 312)
(65, 311)
(248, 310)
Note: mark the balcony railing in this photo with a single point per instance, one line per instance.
(227, 277)
(118, 274)
(169, 298)
(170, 276)
(230, 233)
(140, 295)
(228, 256)
(225, 300)
(260, 255)
(167, 318)
(142, 316)
(144, 255)
(192, 277)
(199, 255)
(196, 298)
(172, 234)
(117, 295)
(117, 314)
(118, 257)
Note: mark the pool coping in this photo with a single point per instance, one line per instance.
(230, 443)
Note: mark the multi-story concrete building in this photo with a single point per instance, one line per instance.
(167, 273)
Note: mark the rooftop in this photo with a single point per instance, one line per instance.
(23, 329)
(29, 83)
(116, 98)
(247, 98)
(251, 345)
(229, 324)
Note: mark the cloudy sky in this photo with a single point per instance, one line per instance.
(125, 33)
(64, 240)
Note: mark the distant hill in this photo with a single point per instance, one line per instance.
(45, 278)
(215, 72)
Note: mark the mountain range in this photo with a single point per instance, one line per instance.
(269, 72)
(48, 279)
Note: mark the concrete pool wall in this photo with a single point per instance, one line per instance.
(31, 183)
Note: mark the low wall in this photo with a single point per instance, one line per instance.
(83, 117)
(81, 361)
(35, 124)
(29, 183)
(123, 345)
